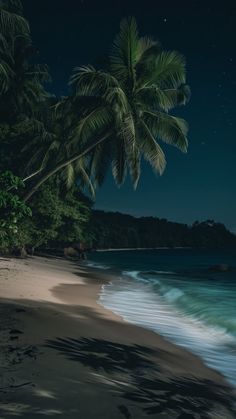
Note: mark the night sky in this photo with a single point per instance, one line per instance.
(195, 186)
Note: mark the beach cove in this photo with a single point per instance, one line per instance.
(64, 355)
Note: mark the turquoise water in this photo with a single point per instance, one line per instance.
(177, 294)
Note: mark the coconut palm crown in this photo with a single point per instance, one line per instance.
(132, 97)
(117, 115)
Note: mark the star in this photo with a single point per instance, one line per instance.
(165, 20)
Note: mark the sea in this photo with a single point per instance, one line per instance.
(180, 294)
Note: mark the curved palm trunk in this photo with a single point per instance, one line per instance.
(33, 174)
(60, 166)
(26, 178)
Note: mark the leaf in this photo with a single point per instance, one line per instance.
(146, 47)
(12, 23)
(124, 53)
(169, 129)
(88, 81)
(100, 161)
(84, 178)
(151, 150)
(97, 120)
(134, 163)
(6, 75)
(119, 167)
(165, 70)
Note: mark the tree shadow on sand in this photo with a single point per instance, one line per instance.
(148, 387)
(102, 354)
(187, 397)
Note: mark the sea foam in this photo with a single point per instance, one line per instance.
(137, 303)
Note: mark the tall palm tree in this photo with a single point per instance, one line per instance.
(118, 114)
(21, 84)
(12, 21)
(21, 80)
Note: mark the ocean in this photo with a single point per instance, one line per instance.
(179, 294)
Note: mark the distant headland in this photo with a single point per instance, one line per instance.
(117, 231)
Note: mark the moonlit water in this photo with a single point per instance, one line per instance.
(178, 294)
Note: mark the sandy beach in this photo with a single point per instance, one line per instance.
(64, 355)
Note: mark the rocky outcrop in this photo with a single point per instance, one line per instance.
(70, 252)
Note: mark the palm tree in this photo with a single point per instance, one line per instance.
(12, 21)
(117, 115)
(21, 83)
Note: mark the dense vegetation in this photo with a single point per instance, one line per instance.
(116, 230)
(54, 150)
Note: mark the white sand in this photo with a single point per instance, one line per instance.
(34, 278)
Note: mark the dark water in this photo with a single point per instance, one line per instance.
(177, 294)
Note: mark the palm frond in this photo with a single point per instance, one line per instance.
(41, 155)
(125, 52)
(39, 73)
(83, 177)
(127, 132)
(100, 161)
(12, 23)
(165, 70)
(134, 164)
(117, 98)
(95, 121)
(150, 149)
(165, 99)
(33, 162)
(179, 96)
(68, 175)
(6, 75)
(119, 165)
(169, 129)
(147, 49)
(88, 81)
(14, 6)
(4, 46)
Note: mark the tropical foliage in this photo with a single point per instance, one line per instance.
(27, 128)
(60, 217)
(116, 115)
(12, 210)
(135, 93)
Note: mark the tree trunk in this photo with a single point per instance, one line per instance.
(60, 166)
(33, 174)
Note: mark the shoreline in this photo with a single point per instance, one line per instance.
(58, 341)
(141, 248)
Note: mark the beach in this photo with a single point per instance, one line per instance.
(64, 355)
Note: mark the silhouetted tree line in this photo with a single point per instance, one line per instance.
(116, 230)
